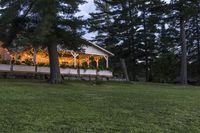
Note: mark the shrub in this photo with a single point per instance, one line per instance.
(84, 65)
(5, 62)
(41, 64)
(18, 63)
(64, 66)
(28, 62)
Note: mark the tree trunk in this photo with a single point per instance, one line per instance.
(145, 45)
(55, 76)
(132, 43)
(124, 68)
(146, 54)
(198, 40)
(184, 53)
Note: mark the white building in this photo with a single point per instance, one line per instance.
(92, 61)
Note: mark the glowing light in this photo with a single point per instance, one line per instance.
(43, 58)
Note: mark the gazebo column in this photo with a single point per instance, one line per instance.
(107, 61)
(75, 55)
(97, 61)
(16, 57)
(3, 54)
(88, 61)
(35, 58)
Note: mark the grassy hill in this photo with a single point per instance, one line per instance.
(33, 106)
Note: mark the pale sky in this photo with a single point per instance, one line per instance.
(87, 8)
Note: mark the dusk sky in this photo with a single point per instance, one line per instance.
(86, 9)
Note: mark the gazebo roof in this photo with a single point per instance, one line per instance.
(97, 47)
(100, 48)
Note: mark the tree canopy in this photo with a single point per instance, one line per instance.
(44, 23)
(149, 34)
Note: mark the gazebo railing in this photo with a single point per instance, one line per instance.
(46, 70)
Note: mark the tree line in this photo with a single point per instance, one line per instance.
(159, 40)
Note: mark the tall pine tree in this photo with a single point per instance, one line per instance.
(182, 10)
(42, 22)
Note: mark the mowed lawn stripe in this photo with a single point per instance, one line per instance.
(75, 106)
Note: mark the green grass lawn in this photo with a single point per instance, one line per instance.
(37, 107)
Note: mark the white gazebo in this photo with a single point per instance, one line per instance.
(84, 63)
